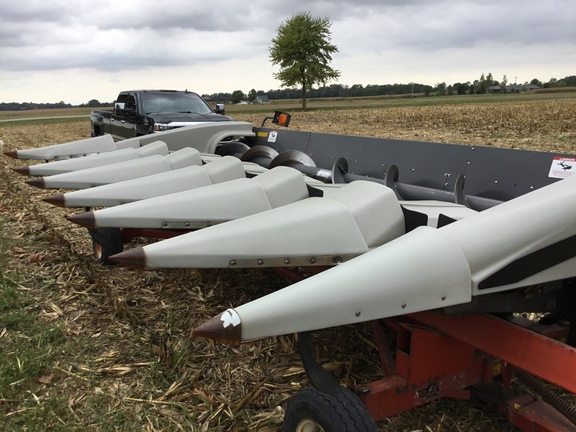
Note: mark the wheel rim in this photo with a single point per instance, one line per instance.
(307, 425)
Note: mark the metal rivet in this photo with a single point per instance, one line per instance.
(362, 389)
(232, 262)
(357, 313)
(312, 260)
(337, 260)
(187, 224)
(287, 261)
(403, 305)
(260, 262)
(444, 297)
(164, 224)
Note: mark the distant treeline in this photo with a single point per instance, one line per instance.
(478, 86)
(15, 106)
(332, 91)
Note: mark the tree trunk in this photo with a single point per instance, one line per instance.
(303, 98)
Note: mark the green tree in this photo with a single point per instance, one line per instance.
(490, 80)
(482, 84)
(504, 83)
(252, 95)
(440, 89)
(551, 83)
(461, 88)
(303, 51)
(237, 96)
(569, 81)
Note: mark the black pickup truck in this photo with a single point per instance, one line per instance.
(142, 112)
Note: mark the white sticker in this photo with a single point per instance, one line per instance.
(562, 167)
(230, 318)
(272, 136)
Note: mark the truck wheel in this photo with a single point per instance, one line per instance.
(105, 243)
(310, 410)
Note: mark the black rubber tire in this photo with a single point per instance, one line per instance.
(105, 243)
(340, 412)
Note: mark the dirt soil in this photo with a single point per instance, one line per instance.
(140, 322)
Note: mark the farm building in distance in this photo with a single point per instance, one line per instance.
(512, 88)
(261, 99)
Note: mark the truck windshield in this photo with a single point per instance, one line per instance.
(174, 103)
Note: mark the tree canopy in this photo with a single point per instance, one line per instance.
(303, 50)
(237, 96)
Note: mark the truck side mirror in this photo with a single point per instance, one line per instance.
(220, 109)
(119, 108)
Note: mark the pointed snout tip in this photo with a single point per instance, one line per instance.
(57, 200)
(37, 182)
(12, 154)
(131, 258)
(24, 170)
(86, 219)
(225, 327)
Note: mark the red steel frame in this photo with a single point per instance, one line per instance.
(441, 356)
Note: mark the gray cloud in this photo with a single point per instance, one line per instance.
(61, 34)
(380, 37)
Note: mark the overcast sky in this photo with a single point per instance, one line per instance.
(78, 50)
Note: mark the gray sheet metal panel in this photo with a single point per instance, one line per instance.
(490, 172)
(285, 139)
(507, 173)
(424, 164)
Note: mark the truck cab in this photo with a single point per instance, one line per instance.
(142, 112)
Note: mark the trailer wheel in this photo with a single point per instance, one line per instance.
(310, 410)
(105, 243)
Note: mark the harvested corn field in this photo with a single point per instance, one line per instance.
(119, 355)
(533, 125)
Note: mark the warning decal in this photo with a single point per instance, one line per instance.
(562, 167)
(272, 136)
